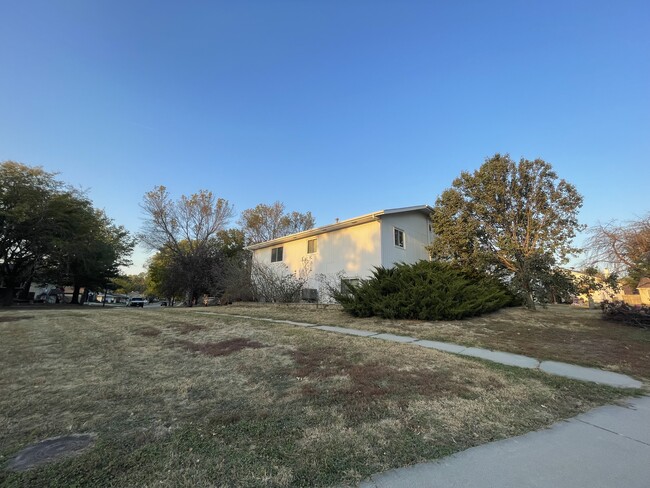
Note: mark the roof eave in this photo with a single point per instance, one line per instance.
(314, 232)
(339, 225)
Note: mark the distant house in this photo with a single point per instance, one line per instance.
(644, 290)
(112, 298)
(598, 296)
(351, 248)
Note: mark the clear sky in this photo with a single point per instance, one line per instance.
(336, 107)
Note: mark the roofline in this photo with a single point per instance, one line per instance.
(362, 219)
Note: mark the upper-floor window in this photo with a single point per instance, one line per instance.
(312, 246)
(399, 237)
(276, 254)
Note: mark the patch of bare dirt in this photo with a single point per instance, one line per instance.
(369, 383)
(148, 332)
(222, 348)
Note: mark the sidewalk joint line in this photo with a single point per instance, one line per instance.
(613, 432)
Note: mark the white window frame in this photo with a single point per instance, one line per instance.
(281, 248)
(395, 230)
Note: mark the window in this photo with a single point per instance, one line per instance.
(399, 237)
(276, 254)
(347, 283)
(312, 246)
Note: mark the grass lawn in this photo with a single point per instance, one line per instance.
(558, 332)
(177, 398)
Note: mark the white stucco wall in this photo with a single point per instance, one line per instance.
(417, 236)
(355, 251)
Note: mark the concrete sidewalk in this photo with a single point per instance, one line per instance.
(605, 448)
(552, 367)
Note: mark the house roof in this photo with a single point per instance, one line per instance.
(644, 283)
(362, 219)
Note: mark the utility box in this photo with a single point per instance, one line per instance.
(309, 295)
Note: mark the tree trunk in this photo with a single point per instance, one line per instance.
(75, 294)
(591, 302)
(6, 297)
(530, 302)
(84, 297)
(528, 294)
(24, 292)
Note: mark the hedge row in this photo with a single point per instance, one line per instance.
(424, 291)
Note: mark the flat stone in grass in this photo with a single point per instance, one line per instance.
(50, 450)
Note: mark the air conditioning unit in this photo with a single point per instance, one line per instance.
(309, 294)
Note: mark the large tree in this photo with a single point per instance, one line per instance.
(49, 231)
(622, 247)
(88, 248)
(514, 218)
(265, 222)
(185, 231)
(26, 215)
(130, 283)
(162, 279)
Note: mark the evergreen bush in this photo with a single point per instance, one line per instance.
(424, 291)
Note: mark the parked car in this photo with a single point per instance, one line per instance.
(135, 302)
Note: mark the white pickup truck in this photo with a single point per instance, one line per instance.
(136, 302)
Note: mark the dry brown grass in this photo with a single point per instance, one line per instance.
(188, 328)
(558, 332)
(15, 318)
(307, 409)
(148, 332)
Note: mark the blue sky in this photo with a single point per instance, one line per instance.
(336, 107)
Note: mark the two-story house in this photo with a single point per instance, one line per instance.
(352, 248)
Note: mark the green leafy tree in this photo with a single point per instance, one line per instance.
(51, 232)
(515, 219)
(235, 277)
(130, 283)
(88, 248)
(26, 217)
(558, 286)
(162, 279)
(266, 222)
(232, 243)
